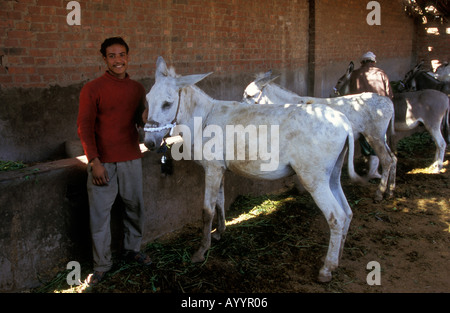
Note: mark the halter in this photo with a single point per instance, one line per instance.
(170, 126)
(260, 95)
(257, 98)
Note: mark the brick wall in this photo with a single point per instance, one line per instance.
(343, 35)
(38, 48)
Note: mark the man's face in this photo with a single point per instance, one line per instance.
(117, 60)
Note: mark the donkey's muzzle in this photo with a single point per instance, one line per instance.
(150, 145)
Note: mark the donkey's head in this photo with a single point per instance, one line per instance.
(409, 80)
(253, 91)
(164, 102)
(341, 87)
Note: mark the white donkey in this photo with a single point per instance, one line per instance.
(312, 141)
(370, 115)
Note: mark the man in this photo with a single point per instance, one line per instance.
(111, 107)
(369, 78)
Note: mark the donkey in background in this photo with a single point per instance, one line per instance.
(370, 114)
(419, 79)
(427, 107)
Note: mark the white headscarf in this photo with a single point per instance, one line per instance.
(368, 56)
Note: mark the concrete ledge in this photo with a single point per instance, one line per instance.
(44, 221)
(41, 211)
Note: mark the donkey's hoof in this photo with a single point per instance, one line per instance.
(197, 258)
(378, 197)
(216, 236)
(324, 276)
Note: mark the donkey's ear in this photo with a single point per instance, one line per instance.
(350, 68)
(418, 66)
(266, 80)
(189, 80)
(161, 68)
(268, 74)
(273, 78)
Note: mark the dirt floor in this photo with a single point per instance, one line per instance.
(281, 247)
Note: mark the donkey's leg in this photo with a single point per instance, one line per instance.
(338, 223)
(220, 209)
(213, 179)
(439, 141)
(336, 189)
(392, 171)
(388, 164)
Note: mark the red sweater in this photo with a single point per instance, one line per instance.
(108, 113)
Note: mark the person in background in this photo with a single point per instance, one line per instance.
(111, 108)
(369, 78)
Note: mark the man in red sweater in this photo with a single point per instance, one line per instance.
(111, 107)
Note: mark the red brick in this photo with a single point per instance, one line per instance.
(20, 79)
(42, 53)
(35, 78)
(13, 70)
(52, 3)
(27, 60)
(5, 79)
(18, 34)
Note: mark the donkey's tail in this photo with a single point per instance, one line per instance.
(354, 177)
(446, 124)
(391, 128)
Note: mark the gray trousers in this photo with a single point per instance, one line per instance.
(125, 179)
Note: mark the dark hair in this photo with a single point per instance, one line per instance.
(112, 41)
(367, 61)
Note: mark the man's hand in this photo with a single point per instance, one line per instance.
(145, 115)
(99, 174)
